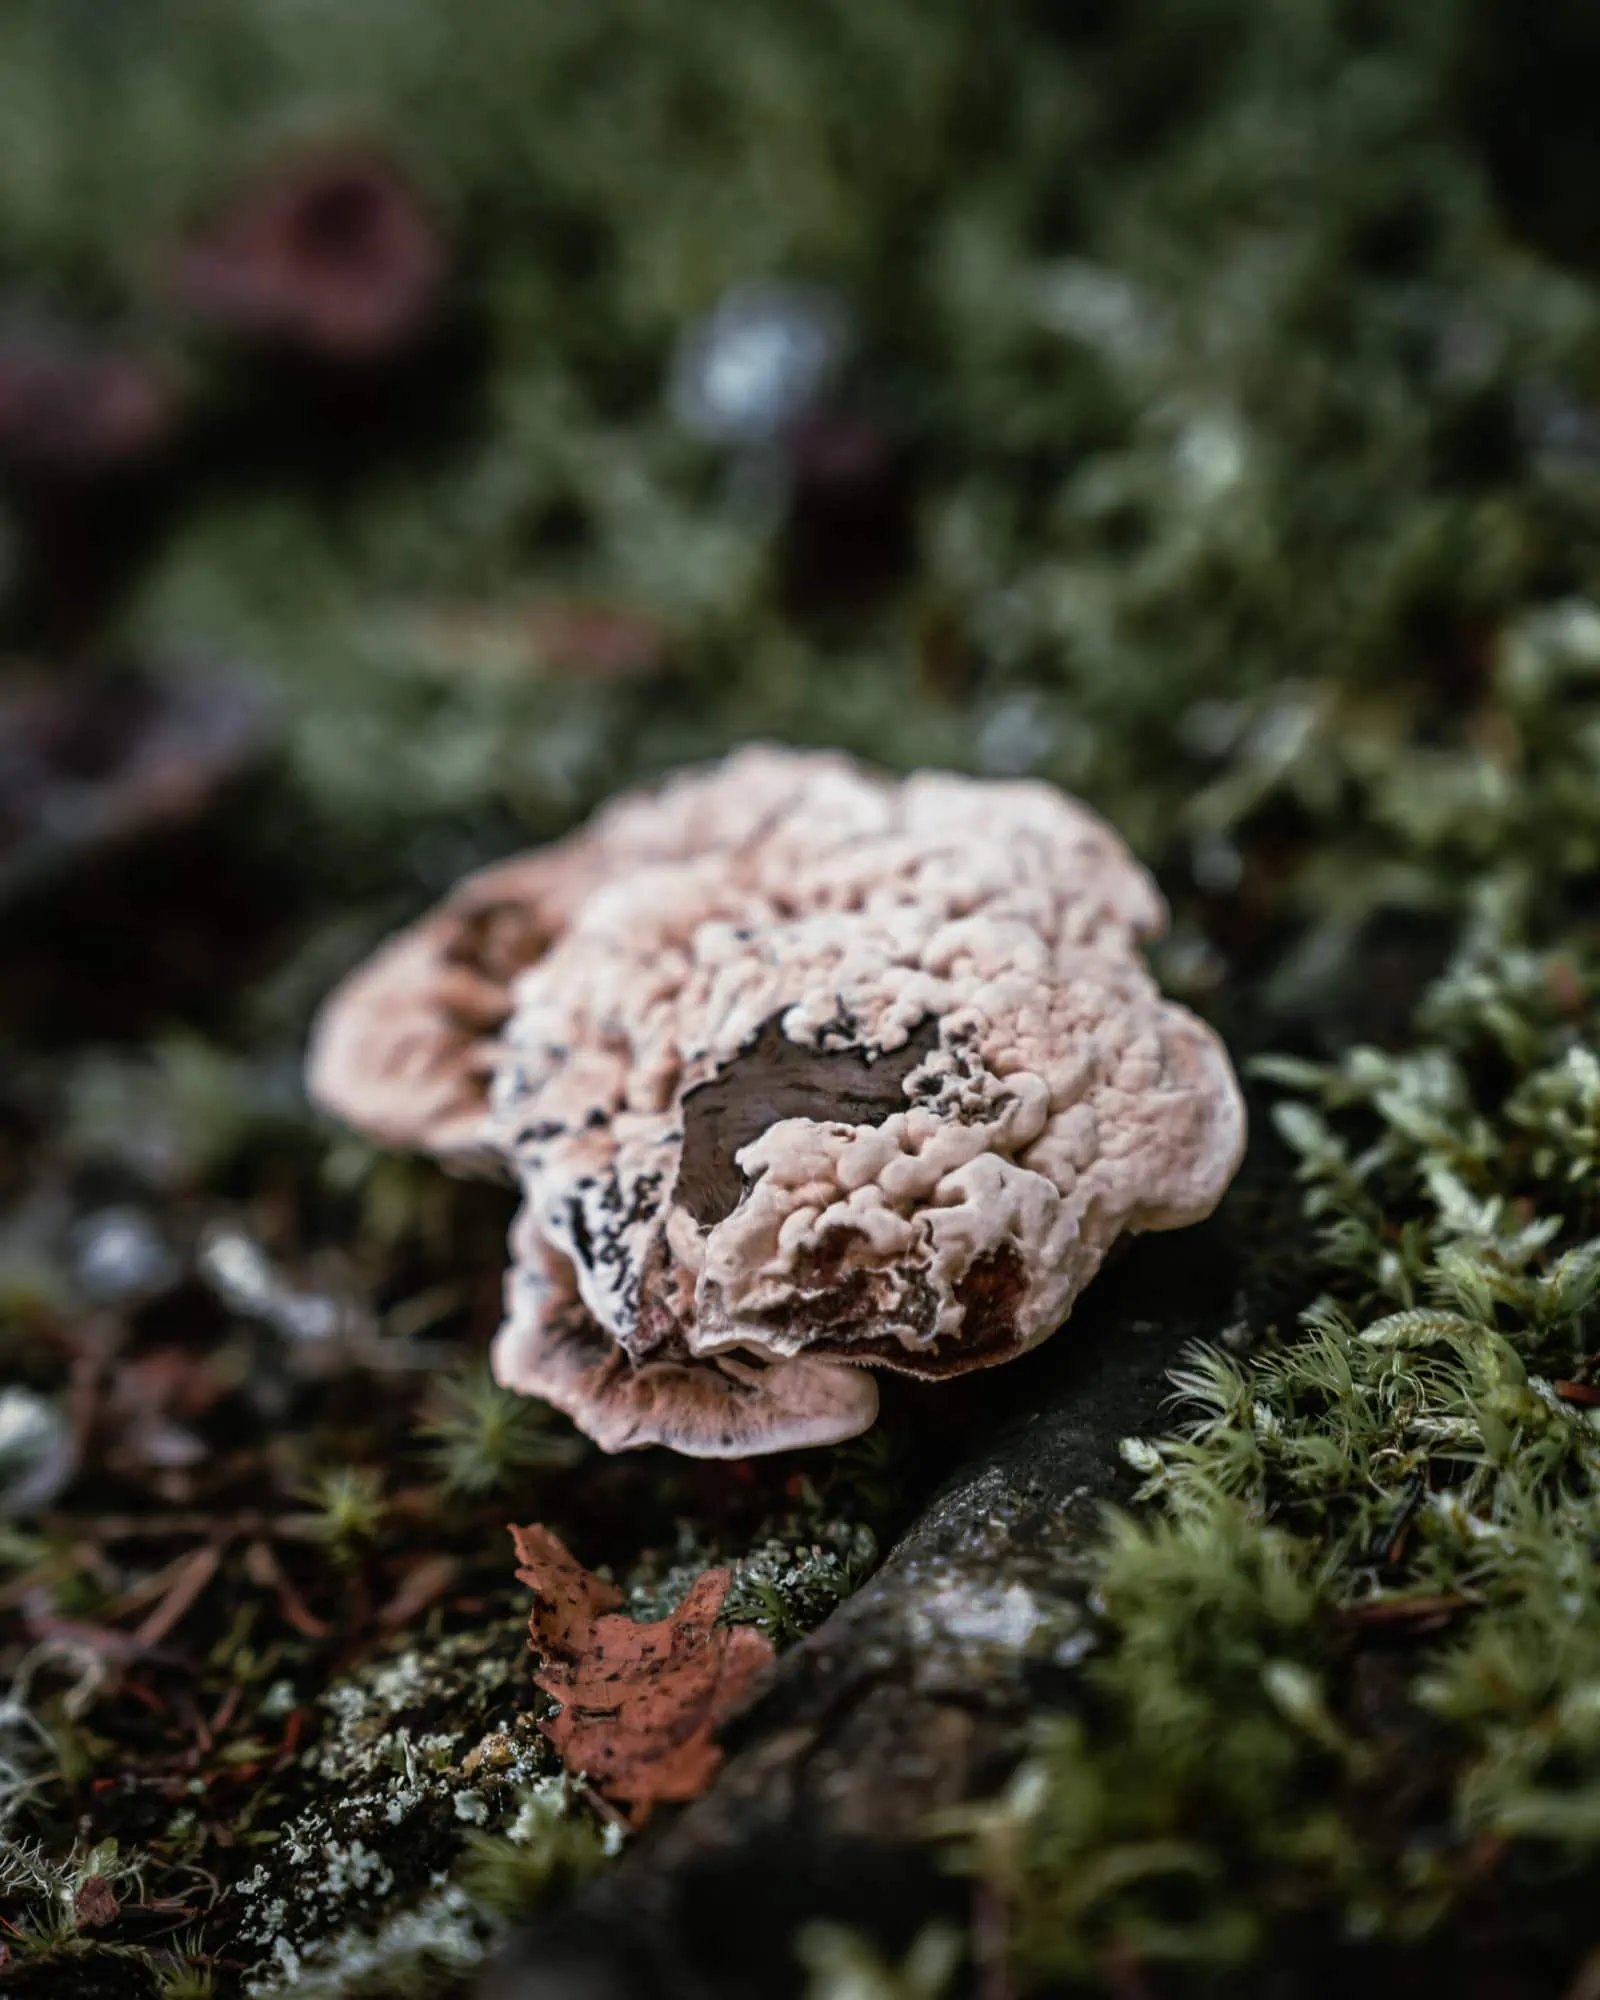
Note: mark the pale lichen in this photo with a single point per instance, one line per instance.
(415, 1752)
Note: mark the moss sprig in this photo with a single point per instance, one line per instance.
(479, 1438)
(1420, 1464)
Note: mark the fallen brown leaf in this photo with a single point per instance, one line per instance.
(639, 1703)
(95, 1903)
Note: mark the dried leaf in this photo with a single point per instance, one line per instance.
(639, 1703)
(95, 1903)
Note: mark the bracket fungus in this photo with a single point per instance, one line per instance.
(802, 1072)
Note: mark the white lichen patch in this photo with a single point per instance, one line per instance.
(956, 1615)
(785, 1584)
(414, 1753)
(442, 1932)
(990, 1616)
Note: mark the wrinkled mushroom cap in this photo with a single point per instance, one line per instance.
(404, 1049)
(806, 1070)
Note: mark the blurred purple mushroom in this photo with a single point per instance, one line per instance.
(765, 376)
(336, 255)
(849, 530)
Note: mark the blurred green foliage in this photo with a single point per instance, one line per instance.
(1241, 425)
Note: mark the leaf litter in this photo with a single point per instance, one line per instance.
(639, 1703)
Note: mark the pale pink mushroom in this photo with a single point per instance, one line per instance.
(405, 1047)
(799, 1070)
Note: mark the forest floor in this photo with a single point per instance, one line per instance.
(408, 439)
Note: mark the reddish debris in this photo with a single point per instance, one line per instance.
(95, 1903)
(93, 759)
(640, 1704)
(337, 255)
(423, 1584)
(71, 414)
(597, 641)
(563, 637)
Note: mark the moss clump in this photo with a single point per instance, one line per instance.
(787, 1580)
(844, 1966)
(481, 1438)
(547, 1850)
(1348, 1650)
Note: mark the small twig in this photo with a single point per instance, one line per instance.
(191, 1575)
(295, 1527)
(422, 1586)
(1389, 1543)
(96, 1653)
(227, 1708)
(1438, 1607)
(149, 1589)
(267, 1573)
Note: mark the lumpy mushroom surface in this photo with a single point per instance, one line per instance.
(801, 1071)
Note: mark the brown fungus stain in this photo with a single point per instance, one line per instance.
(770, 1079)
(991, 1292)
(497, 940)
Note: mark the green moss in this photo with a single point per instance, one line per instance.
(348, 1507)
(842, 1965)
(548, 1849)
(480, 1437)
(1423, 1458)
(786, 1581)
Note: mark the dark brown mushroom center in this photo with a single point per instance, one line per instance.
(498, 940)
(772, 1079)
(339, 220)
